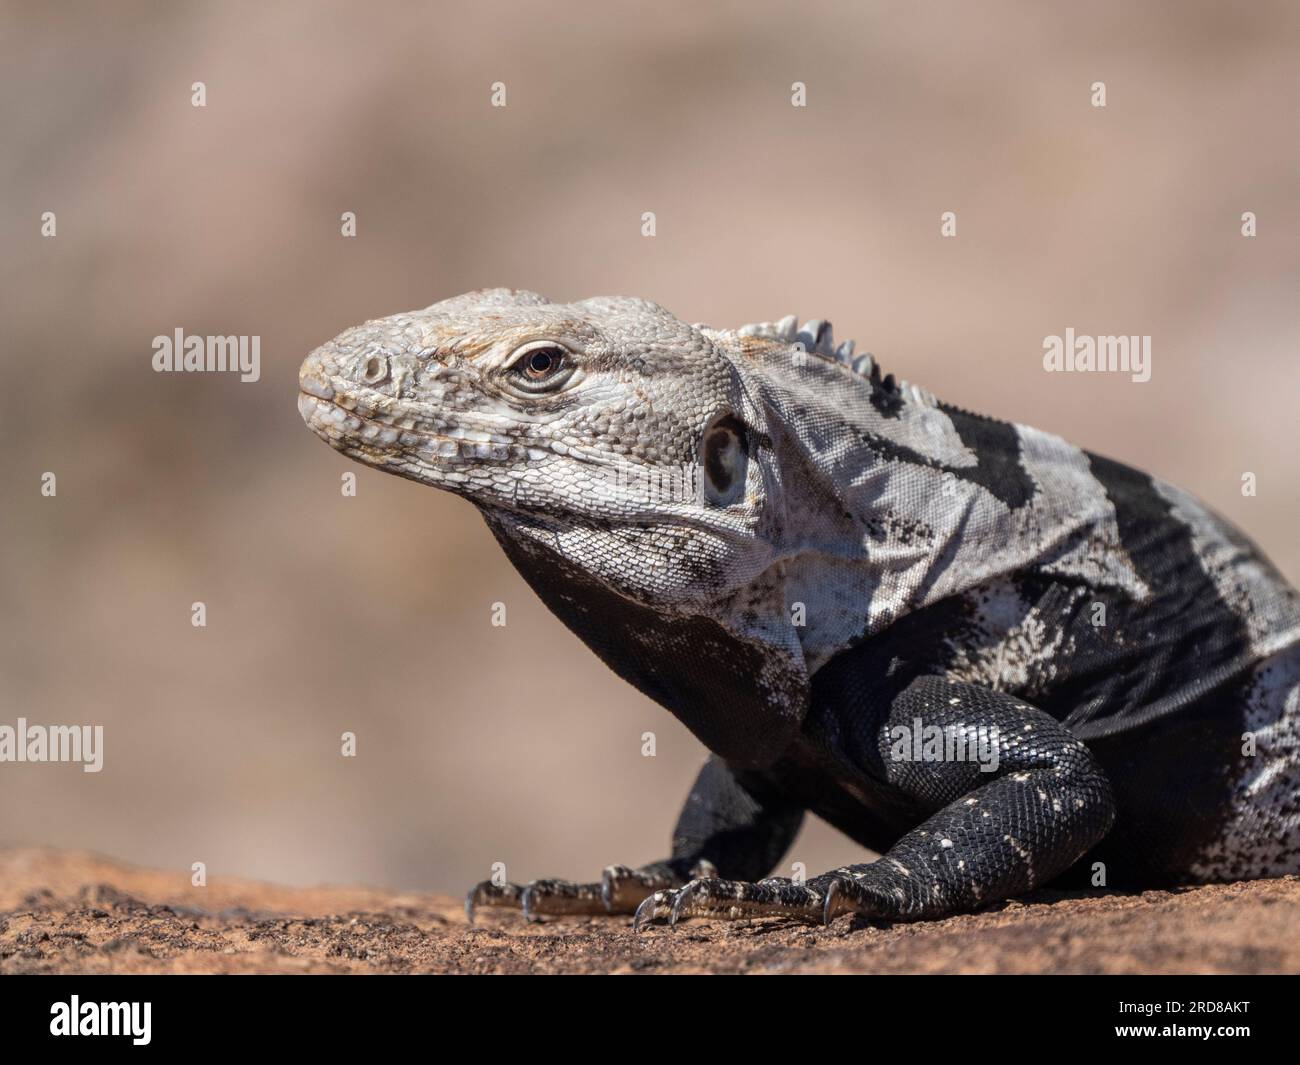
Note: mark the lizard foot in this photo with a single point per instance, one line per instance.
(621, 890)
(732, 900)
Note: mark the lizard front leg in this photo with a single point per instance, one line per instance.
(726, 829)
(1016, 798)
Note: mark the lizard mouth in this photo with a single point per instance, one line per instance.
(356, 427)
(395, 441)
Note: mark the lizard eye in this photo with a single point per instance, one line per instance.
(542, 362)
(540, 366)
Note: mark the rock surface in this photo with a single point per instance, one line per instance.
(70, 912)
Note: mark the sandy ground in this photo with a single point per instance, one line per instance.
(70, 912)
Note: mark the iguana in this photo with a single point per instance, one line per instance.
(994, 658)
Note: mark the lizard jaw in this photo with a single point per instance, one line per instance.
(379, 438)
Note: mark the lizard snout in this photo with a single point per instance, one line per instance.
(314, 376)
(314, 385)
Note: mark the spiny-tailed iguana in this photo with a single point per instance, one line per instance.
(994, 658)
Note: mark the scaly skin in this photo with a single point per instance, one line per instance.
(821, 571)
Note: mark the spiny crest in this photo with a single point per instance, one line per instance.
(817, 337)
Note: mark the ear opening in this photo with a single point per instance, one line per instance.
(724, 460)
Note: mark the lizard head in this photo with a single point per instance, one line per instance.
(676, 494)
(605, 428)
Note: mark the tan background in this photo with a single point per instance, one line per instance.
(480, 744)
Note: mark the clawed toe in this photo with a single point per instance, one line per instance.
(653, 908)
(732, 900)
(489, 893)
(552, 898)
(624, 889)
(846, 895)
(621, 890)
(644, 892)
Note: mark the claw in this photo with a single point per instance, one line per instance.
(663, 903)
(846, 895)
(831, 907)
(679, 900)
(709, 898)
(486, 893)
(653, 908)
(609, 884)
(528, 900)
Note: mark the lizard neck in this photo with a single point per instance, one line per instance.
(884, 507)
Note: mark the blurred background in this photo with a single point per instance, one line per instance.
(372, 614)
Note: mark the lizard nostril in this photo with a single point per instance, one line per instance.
(376, 369)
